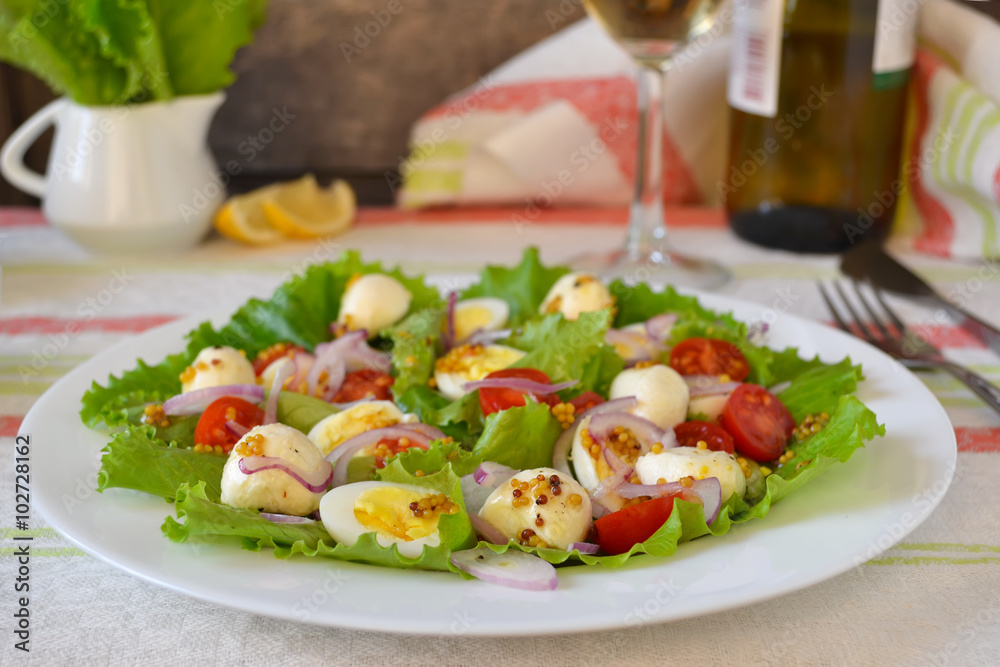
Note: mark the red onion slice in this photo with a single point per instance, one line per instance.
(658, 327)
(780, 387)
(645, 431)
(719, 389)
(640, 346)
(615, 463)
(342, 454)
(492, 474)
(316, 481)
(513, 568)
(605, 491)
(484, 337)
(708, 491)
(284, 372)
(353, 349)
(518, 384)
(584, 548)
(474, 494)
(448, 340)
(284, 518)
(487, 530)
(560, 454)
(346, 406)
(236, 428)
(196, 401)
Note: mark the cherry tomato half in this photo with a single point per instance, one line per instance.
(709, 356)
(211, 429)
(269, 355)
(758, 421)
(389, 447)
(620, 531)
(585, 401)
(494, 400)
(365, 383)
(689, 434)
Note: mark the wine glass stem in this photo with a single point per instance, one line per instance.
(645, 224)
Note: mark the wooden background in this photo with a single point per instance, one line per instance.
(351, 118)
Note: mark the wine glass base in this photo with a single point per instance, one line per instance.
(657, 266)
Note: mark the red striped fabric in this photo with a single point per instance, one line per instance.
(9, 425)
(982, 440)
(12, 216)
(58, 325)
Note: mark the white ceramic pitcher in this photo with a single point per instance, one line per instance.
(136, 178)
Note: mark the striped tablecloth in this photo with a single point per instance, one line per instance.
(933, 599)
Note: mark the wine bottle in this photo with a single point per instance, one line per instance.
(818, 92)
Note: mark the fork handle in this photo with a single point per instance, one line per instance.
(977, 383)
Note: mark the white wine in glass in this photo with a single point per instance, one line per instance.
(652, 31)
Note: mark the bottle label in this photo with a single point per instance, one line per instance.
(755, 64)
(895, 42)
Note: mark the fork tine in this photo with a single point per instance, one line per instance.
(898, 323)
(876, 318)
(833, 311)
(869, 333)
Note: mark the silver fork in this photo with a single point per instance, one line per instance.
(888, 333)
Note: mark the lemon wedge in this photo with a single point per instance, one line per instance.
(303, 210)
(242, 218)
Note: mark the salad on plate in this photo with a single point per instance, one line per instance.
(538, 418)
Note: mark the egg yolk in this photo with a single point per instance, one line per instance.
(390, 512)
(470, 318)
(475, 362)
(363, 422)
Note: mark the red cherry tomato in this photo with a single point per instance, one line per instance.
(758, 421)
(709, 356)
(689, 434)
(365, 383)
(620, 531)
(269, 355)
(388, 448)
(211, 429)
(495, 400)
(585, 401)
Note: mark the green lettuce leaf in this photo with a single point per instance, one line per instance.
(523, 287)
(521, 438)
(135, 459)
(570, 350)
(819, 388)
(414, 349)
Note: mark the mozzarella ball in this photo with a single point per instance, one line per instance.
(272, 490)
(468, 363)
(330, 432)
(673, 464)
(373, 302)
(709, 407)
(577, 293)
(384, 508)
(482, 314)
(216, 367)
(661, 393)
(565, 518)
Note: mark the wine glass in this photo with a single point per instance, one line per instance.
(652, 31)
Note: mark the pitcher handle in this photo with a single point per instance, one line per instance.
(12, 153)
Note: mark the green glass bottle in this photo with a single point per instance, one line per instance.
(818, 93)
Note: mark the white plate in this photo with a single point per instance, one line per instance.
(848, 515)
